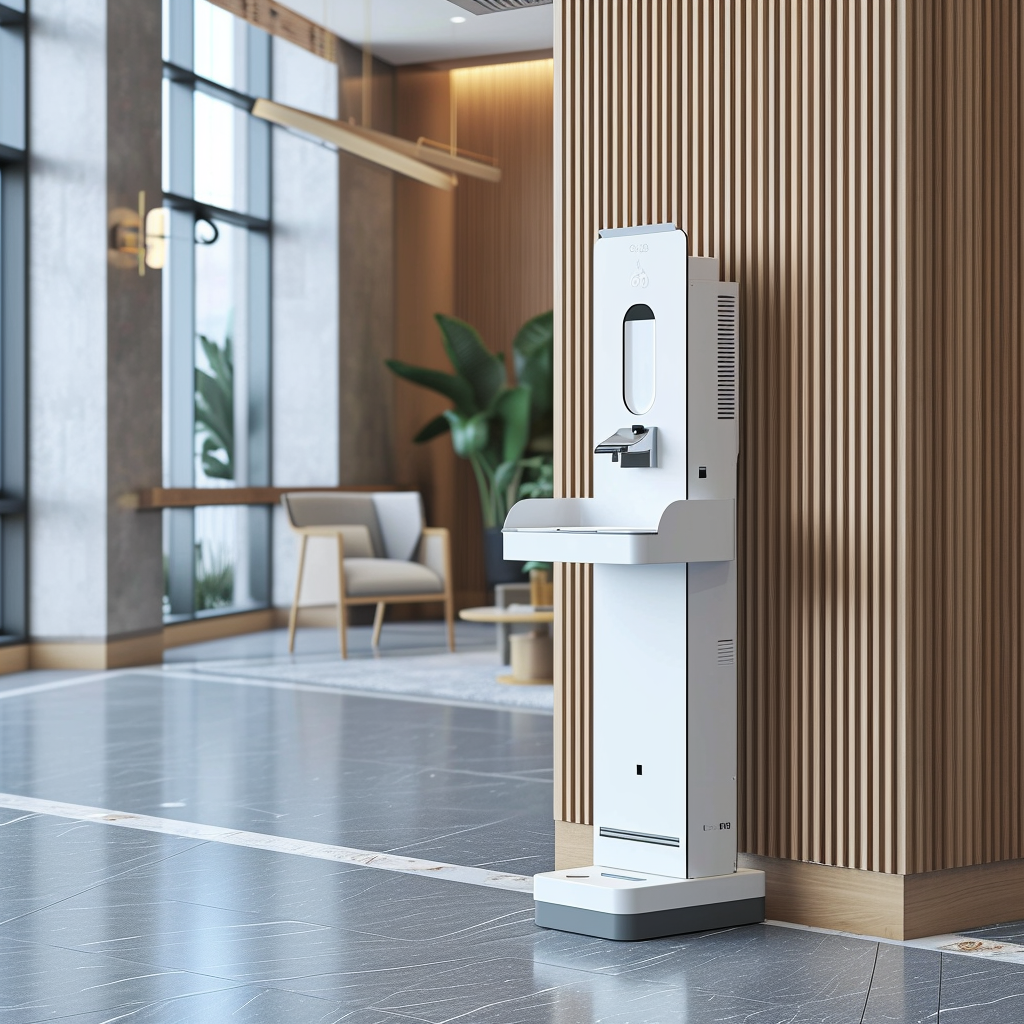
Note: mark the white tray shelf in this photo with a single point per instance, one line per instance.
(580, 530)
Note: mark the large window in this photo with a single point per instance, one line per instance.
(12, 320)
(216, 307)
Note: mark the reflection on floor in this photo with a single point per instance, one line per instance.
(100, 923)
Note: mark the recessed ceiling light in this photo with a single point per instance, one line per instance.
(458, 19)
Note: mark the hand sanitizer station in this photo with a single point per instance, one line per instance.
(661, 534)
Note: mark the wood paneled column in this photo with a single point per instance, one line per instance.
(855, 166)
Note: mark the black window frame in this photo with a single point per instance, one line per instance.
(184, 211)
(13, 318)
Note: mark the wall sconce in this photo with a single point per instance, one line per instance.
(137, 238)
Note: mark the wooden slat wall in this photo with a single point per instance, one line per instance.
(483, 253)
(504, 232)
(424, 284)
(767, 129)
(965, 393)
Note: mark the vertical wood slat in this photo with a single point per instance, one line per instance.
(755, 126)
(965, 391)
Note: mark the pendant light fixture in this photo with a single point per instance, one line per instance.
(361, 142)
(432, 163)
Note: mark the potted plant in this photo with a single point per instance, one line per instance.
(504, 430)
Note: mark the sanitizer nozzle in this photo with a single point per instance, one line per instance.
(632, 447)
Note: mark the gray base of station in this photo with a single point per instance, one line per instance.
(653, 925)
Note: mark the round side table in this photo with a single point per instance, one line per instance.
(533, 652)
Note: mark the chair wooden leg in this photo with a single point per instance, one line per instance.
(342, 609)
(343, 628)
(293, 618)
(378, 621)
(449, 614)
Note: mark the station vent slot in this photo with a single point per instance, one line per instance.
(727, 369)
(638, 837)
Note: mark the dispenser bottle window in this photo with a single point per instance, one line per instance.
(638, 355)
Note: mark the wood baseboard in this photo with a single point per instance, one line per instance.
(220, 626)
(823, 896)
(96, 655)
(574, 845)
(959, 898)
(892, 906)
(862, 902)
(13, 658)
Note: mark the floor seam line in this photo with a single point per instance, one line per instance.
(871, 980)
(271, 843)
(62, 684)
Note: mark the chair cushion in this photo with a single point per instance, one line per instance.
(400, 514)
(384, 577)
(320, 508)
(358, 542)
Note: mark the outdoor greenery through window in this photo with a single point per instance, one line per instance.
(216, 313)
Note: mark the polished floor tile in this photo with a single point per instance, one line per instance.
(237, 1005)
(977, 991)
(39, 983)
(453, 784)
(904, 987)
(38, 678)
(45, 860)
(101, 924)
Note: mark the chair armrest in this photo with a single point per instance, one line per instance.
(434, 552)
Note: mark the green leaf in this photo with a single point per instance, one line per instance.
(215, 408)
(469, 433)
(533, 349)
(437, 426)
(513, 409)
(503, 475)
(539, 477)
(480, 369)
(548, 567)
(454, 388)
(214, 467)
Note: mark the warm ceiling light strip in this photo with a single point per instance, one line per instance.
(376, 147)
(286, 24)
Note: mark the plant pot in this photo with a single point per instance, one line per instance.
(497, 568)
(542, 590)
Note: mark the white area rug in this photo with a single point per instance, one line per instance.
(468, 678)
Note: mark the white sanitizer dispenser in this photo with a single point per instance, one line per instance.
(660, 532)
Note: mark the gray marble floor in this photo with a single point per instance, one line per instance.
(103, 924)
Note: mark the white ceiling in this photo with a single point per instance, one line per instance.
(417, 31)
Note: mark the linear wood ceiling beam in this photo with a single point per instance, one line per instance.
(429, 153)
(285, 23)
(361, 142)
(296, 28)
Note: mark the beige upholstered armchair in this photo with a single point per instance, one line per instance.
(367, 548)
